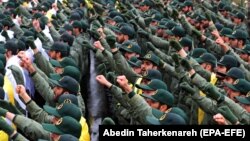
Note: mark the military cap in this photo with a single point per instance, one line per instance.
(221, 6)
(112, 14)
(240, 85)
(134, 62)
(235, 73)
(77, 24)
(152, 74)
(68, 98)
(6, 22)
(147, 3)
(227, 8)
(59, 46)
(219, 26)
(127, 30)
(170, 24)
(11, 5)
(240, 15)
(75, 16)
(151, 57)
(37, 15)
(67, 71)
(64, 109)
(29, 33)
(161, 96)
(186, 42)
(186, 3)
(157, 17)
(238, 34)
(176, 31)
(66, 37)
(207, 58)
(68, 27)
(228, 61)
(179, 112)
(246, 49)
(2, 49)
(162, 25)
(67, 83)
(131, 47)
(65, 125)
(154, 84)
(11, 45)
(118, 19)
(166, 119)
(68, 137)
(85, 25)
(244, 100)
(55, 63)
(21, 45)
(67, 61)
(226, 31)
(108, 121)
(200, 18)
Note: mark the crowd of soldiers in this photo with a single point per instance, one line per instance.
(68, 66)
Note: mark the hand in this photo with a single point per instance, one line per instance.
(6, 127)
(86, 43)
(220, 119)
(94, 34)
(186, 65)
(176, 60)
(102, 80)
(3, 112)
(20, 89)
(111, 40)
(98, 45)
(25, 61)
(175, 44)
(123, 82)
(215, 33)
(30, 42)
(8, 106)
(150, 46)
(228, 114)
(219, 41)
(142, 33)
(186, 87)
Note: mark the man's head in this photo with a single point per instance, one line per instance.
(125, 33)
(64, 125)
(208, 61)
(149, 61)
(161, 100)
(66, 84)
(59, 50)
(130, 49)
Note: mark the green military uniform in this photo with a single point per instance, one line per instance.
(31, 128)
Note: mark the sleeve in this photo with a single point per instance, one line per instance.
(31, 128)
(38, 114)
(44, 89)
(124, 68)
(43, 64)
